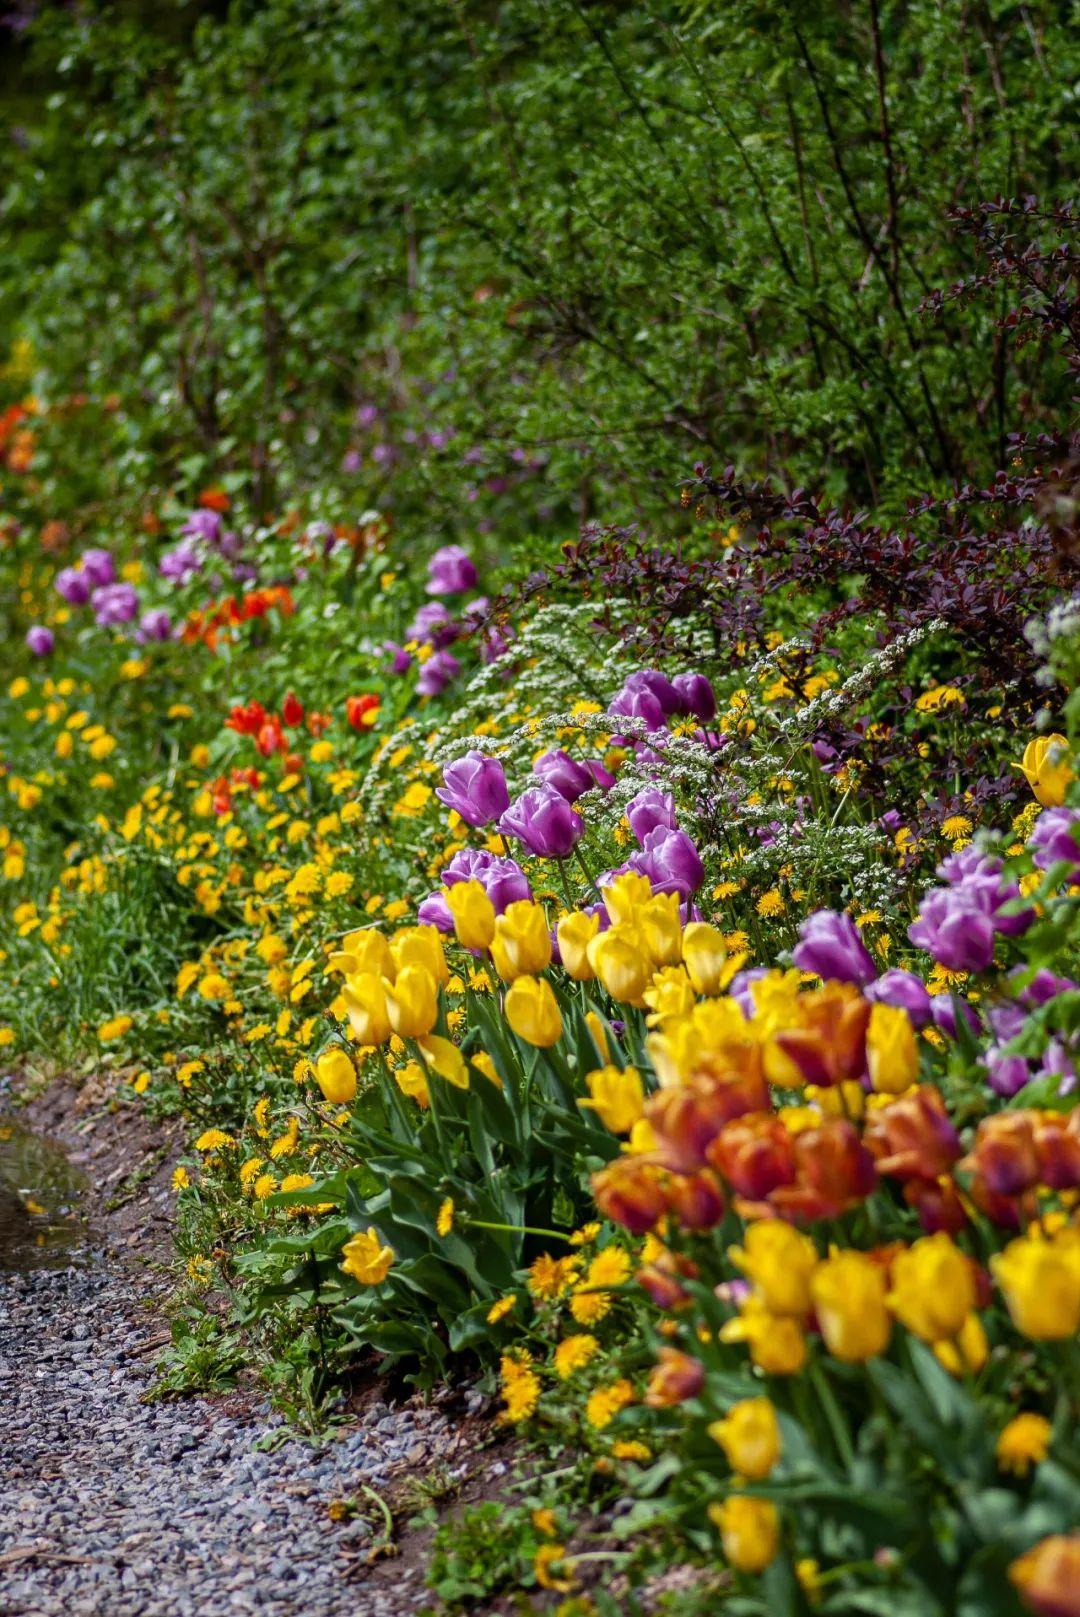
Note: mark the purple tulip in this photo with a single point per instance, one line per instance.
(503, 880)
(400, 660)
(437, 673)
(98, 567)
(40, 640)
(652, 680)
(638, 703)
(435, 911)
(180, 563)
(1006, 1074)
(955, 928)
(154, 625)
(114, 604)
(451, 571)
(475, 786)
(1054, 840)
(73, 585)
(1043, 987)
(741, 989)
(649, 810)
(904, 990)
(434, 626)
(945, 1010)
(1057, 1062)
(205, 525)
(697, 695)
(671, 862)
(545, 822)
(830, 946)
(568, 777)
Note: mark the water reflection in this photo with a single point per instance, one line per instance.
(40, 1222)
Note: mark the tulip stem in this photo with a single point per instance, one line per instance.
(517, 1229)
(833, 1414)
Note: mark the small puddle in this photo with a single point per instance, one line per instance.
(41, 1226)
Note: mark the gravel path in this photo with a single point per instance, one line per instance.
(110, 1507)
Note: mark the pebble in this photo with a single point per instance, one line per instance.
(131, 1509)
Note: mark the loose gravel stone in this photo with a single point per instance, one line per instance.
(111, 1507)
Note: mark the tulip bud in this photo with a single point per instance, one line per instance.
(781, 1262)
(616, 1096)
(892, 1057)
(473, 912)
(705, 955)
(749, 1435)
(1040, 1280)
(848, 1291)
(1047, 770)
(933, 1289)
(621, 965)
(1048, 1576)
(336, 1076)
(412, 1002)
(420, 946)
(574, 933)
(629, 1192)
(521, 946)
(676, 1378)
(533, 1011)
(365, 1002)
(749, 1531)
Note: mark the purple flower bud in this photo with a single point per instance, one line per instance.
(545, 822)
(180, 563)
(434, 911)
(1054, 840)
(503, 880)
(476, 787)
(650, 809)
(946, 1008)
(114, 603)
(1006, 1074)
(98, 567)
(651, 679)
(1043, 987)
(601, 777)
(451, 571)
(40, 640)
(638, 703)
(73, 585)
(830, 945)
(434, 625)
(437, 673)
(955, 928)
(672, 862)
(205, 525)
(155, 625)
(400, 661)
(904, 990)
(1057, 1062)
(697, 695)
(568, 777)
(741, 989)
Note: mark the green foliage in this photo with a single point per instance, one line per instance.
(699, 233)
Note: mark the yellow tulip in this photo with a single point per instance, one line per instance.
(624, 896)
(446, 1059)
(365, 1003)
(660, 926)
(575, 932)
(473, 912)
(780, 1262)
(411, 1081)
(968, 1351)
(892, 1055)
(522, 942)
(364, 953)
(777, 1342)
(749, 1531)
(1047, 769)
(669, 995)
(933, 1289)
(617, 1097)
(848, 1291)
(533, 1011)
(749, 1435)
(366, 1259)
(705, 956)
(421, 946)
(336, 1076)
(621, 964)
(1040, 1281)
(412, 1002)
